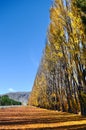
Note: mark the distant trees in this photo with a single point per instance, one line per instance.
(5, 101)
(61, 79)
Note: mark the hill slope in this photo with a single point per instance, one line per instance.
(6, 101)
(19, 96)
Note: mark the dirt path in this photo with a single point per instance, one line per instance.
(32, 118)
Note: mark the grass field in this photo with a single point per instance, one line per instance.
(32, 118)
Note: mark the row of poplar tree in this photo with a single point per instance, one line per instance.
(60, 82)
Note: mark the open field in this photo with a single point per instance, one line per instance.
(32, 118)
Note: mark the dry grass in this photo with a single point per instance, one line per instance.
(31, 118)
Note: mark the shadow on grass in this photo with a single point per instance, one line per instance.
(38, 120)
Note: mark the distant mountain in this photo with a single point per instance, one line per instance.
(19, 96)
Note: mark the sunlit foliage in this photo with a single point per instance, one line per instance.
(61, 79)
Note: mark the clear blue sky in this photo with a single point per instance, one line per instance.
(23, 26)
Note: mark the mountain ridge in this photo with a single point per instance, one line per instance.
(18, 96)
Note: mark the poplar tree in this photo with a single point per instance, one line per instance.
(60, 83)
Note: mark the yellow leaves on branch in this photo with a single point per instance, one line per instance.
(65, 21)
(60, 54)
(76, 23)
(54, 13)
(52, 29)
(57, 47)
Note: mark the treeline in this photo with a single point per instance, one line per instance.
(6, 101)
(60, 82)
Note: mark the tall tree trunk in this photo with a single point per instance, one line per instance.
(81, 93)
